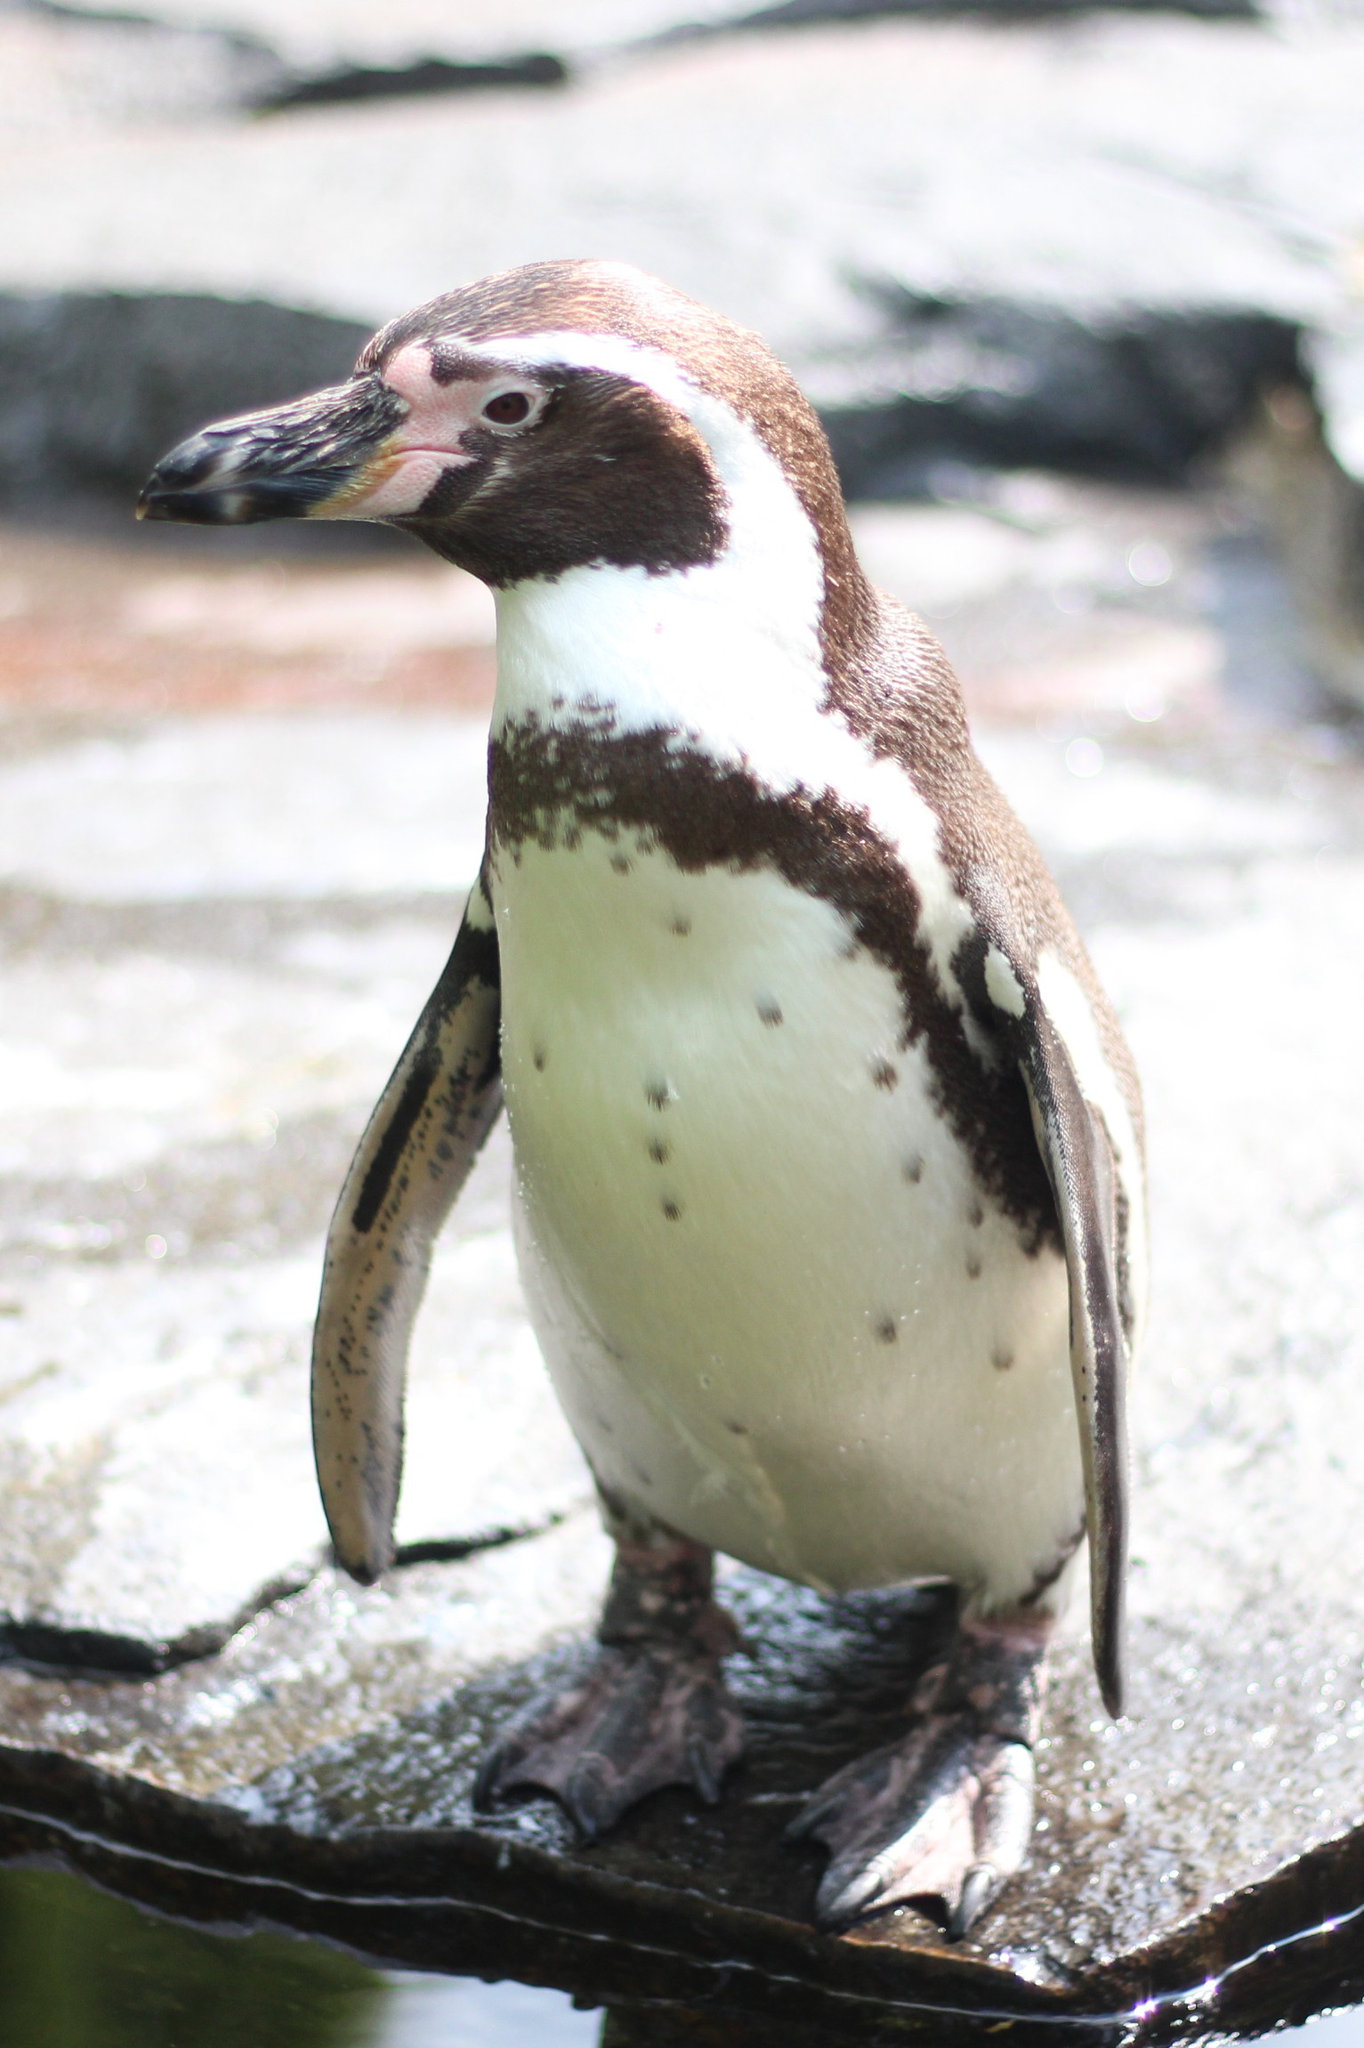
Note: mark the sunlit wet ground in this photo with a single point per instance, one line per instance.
(1057, 600)
(1095, 615)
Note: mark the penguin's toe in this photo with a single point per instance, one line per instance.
(941, 1818)
(639, 1719)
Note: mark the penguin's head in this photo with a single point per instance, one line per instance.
(561, 415)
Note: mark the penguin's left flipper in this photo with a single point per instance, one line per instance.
(1093, 1210)
(943, 1815)
(425, 1132)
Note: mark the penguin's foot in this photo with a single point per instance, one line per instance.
(650, 1711)
(640, 1719)
(943, 1815)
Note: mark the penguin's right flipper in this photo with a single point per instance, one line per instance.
(1084, 1174)
(414, 1158)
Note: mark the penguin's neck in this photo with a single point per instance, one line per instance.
(714, 653)
(728, 652)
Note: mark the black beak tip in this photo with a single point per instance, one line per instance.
(181, 486)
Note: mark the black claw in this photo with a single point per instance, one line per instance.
(808, 1819)
(702, 1776)
(488, 1781)
(588, 1799)
(840, 1906)
(978, 1889)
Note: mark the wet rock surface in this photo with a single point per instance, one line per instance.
(217, 930)
(202, 994)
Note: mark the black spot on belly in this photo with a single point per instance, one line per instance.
(737, 1428)
(621, 863)
(914, 1170)
(975, 1215)
(657, 1094)
(973, 1267)
(538, 1059)
(768, 1011)
(884, 1074)
(658, 1151)
(672, 1210)
(681, 926)
(1001, 1359)
(886, 1330)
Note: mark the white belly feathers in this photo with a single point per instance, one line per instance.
(778, 1312)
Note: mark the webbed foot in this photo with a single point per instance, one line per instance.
(650, 1711)
(943, 1815)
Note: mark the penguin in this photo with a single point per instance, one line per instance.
(829, 1184)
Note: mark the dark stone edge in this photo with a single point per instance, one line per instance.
(786, 14)
(348, 82)
(109, 1653)
(105, 1653)
(345, 84)
(1132, 394)
(476, 1903)
(1279, 1951)
(472, 1902)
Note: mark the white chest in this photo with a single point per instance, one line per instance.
(776, 1307)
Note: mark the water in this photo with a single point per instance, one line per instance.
(1336, 2030)
(79, 1969)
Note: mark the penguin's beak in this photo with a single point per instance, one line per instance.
(314, 459)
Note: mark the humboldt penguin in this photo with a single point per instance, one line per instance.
(829, 1185)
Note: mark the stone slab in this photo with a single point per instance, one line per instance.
(191, 1040)
(315, 1773)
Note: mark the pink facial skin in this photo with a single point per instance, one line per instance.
(394, 483)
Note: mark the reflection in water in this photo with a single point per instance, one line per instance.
(1337, 2030)
(79, 1969)
(459, 2012)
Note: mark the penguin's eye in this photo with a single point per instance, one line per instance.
(509, 408)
